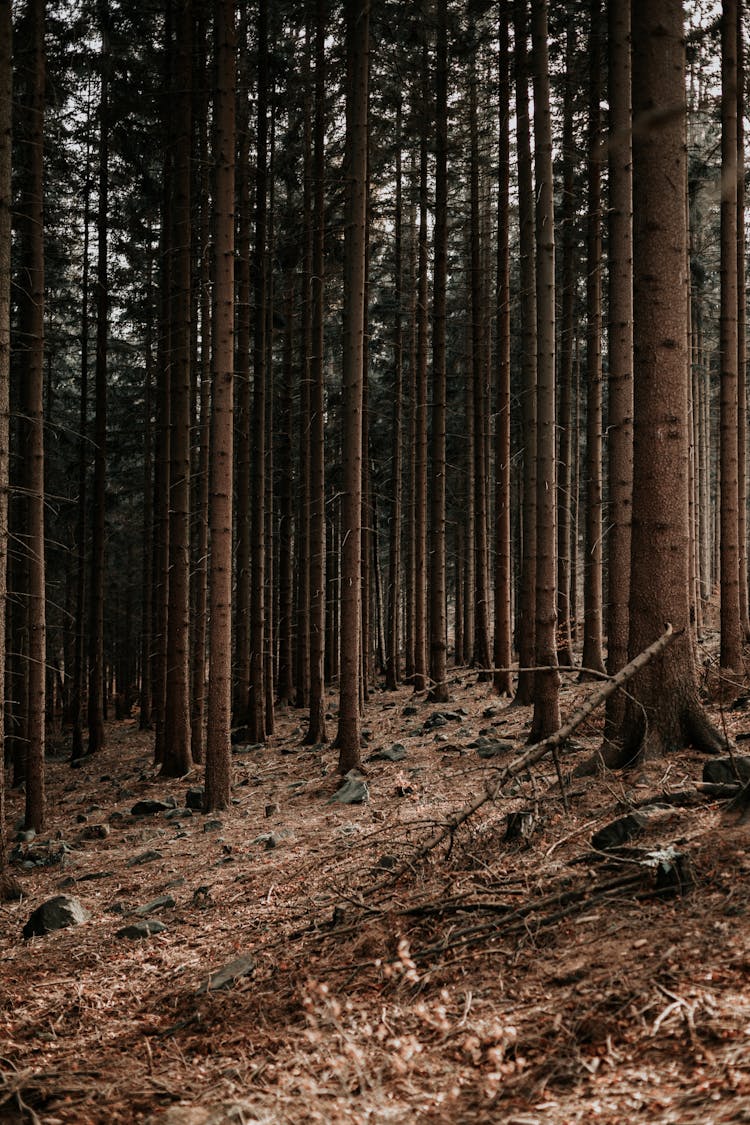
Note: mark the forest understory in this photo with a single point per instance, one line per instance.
(516, 972)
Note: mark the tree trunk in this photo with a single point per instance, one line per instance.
(526, 607)
(393, 632)
(503, 639)
(593, 627)
(547, 682)
(177, 757)
(741, 329)
(6, 90)
(218, 754)
(664, 712)
(355, 242)
(620, 385)
(316, 732)
(437, 586)
(420, 408)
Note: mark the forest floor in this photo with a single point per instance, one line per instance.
(527, 980)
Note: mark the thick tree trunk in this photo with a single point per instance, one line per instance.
(393, 630)
(420, 410)
(741, 329)
(620, 385)
(664, 712)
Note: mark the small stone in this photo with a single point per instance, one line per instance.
(163, 902)
(212, 826)
(55, 914)
(620, 831)
(721, 771)
(353, 792)
(26, 836)
(387, 862)
(117, 908)
(144, 857)
(151, 808)
(178, 814)
(141, 929)
(271, 809)
(96, 832)
(247, 748)
(116, 817)
(222, 978)
(194, 798)
(395, 753)
(493, 748)
(410, 710)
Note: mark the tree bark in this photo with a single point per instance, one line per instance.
(6, 92)
(355, 241)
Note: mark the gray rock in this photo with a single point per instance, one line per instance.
(409, 710)
(493, 748)
(626, 827)
(721, 770)
(178, 814)
(96, 832)
(395, 753)
(55, 914)
(387, 862)
(163, 902)
(151, 808)
(26, 836)
(353, 792)
(144, 857)
(141, 929)
(212, 826)
(222, 978)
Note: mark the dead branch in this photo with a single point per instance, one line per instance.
(539, 750)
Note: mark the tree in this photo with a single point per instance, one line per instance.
(317, 542)
(32, 356)
(98, 512)
(218, 755)
(620, 381)
(355, 236)
(731, 634)
(664, 711)
(177, 756)
(6, 91)
(547, 681)
(438, 627)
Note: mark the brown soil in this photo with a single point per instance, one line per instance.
(525, 982)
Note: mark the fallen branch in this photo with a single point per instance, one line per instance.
(539, 750)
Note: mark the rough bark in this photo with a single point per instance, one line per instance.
(6, 90)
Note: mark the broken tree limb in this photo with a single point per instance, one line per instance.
(538, 751)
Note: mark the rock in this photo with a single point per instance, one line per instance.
(117, 908)
(151, 808)
(395, 753)
(621, 830)
(247, 748)
(387, 862)
(194, 798)
(353, 792)
(271, 809)
(222, 978)
(141, 929)
(212, 826)
(493, 748)
(163, 902)
(722, 771)
(410, 710)
(96, 832)
(25, 837)
(144, 857)
(55, 914)
(116, 817)
(178, 814)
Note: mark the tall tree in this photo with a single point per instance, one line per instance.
(620, 382)
(664, 712)
(317, 543)
(592, 586)
(6, 91)
(32, 359)
(177, 756)
(256, 712)
(393, 656)
(99, 499)
(218, 756)
(547, 679)
(741, 327)
(357, 15)
(420, 400)
(731, 635)
(527, 274)
(438, 626)
(503, 639)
